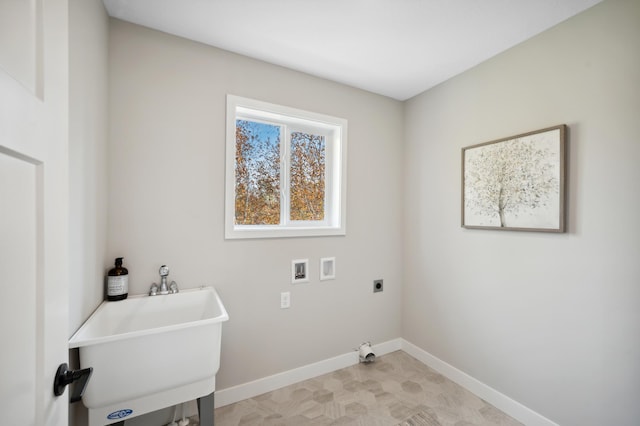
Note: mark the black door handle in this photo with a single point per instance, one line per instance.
(65, 377)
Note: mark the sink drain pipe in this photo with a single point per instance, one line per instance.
(366, 353)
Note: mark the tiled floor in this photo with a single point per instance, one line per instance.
(394, 390)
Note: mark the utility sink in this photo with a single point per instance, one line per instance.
(150, 352)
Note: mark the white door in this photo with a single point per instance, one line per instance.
(33, 209)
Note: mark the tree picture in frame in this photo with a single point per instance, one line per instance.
(516, 183)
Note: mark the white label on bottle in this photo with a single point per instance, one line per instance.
(117, 286)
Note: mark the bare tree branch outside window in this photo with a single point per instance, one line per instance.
(258, 183)
(257, 173)
(307, 176)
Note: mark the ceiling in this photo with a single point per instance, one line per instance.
(396, 48)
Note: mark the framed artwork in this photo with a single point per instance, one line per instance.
(516, 183)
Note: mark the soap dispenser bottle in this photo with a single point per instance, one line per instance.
(117, 282)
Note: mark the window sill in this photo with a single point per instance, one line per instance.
(248, 232)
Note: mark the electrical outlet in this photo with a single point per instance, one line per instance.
(285, 300)
(377, 286)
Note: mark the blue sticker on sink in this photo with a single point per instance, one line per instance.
(120, 414)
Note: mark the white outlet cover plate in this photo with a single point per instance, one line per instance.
(285, 299)
(327, 268)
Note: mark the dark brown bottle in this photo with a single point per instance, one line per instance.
(117, 282)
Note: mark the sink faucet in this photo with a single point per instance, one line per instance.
(163, 289)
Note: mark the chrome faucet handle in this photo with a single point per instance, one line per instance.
(154, 289)
(164, 271)
(173, 287)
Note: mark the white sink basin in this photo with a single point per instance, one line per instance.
(150, 352)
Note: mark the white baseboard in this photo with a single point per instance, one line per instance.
(499, 400)
(267, 384)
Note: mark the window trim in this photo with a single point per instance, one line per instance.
(336, 169)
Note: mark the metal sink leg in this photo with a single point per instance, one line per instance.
(205, 410)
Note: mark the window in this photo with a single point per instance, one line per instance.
(285, 171)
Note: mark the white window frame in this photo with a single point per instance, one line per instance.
(335, 131)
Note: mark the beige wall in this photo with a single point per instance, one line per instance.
(166, 202)
(552, 321)
(88, 131)
(88, 136)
